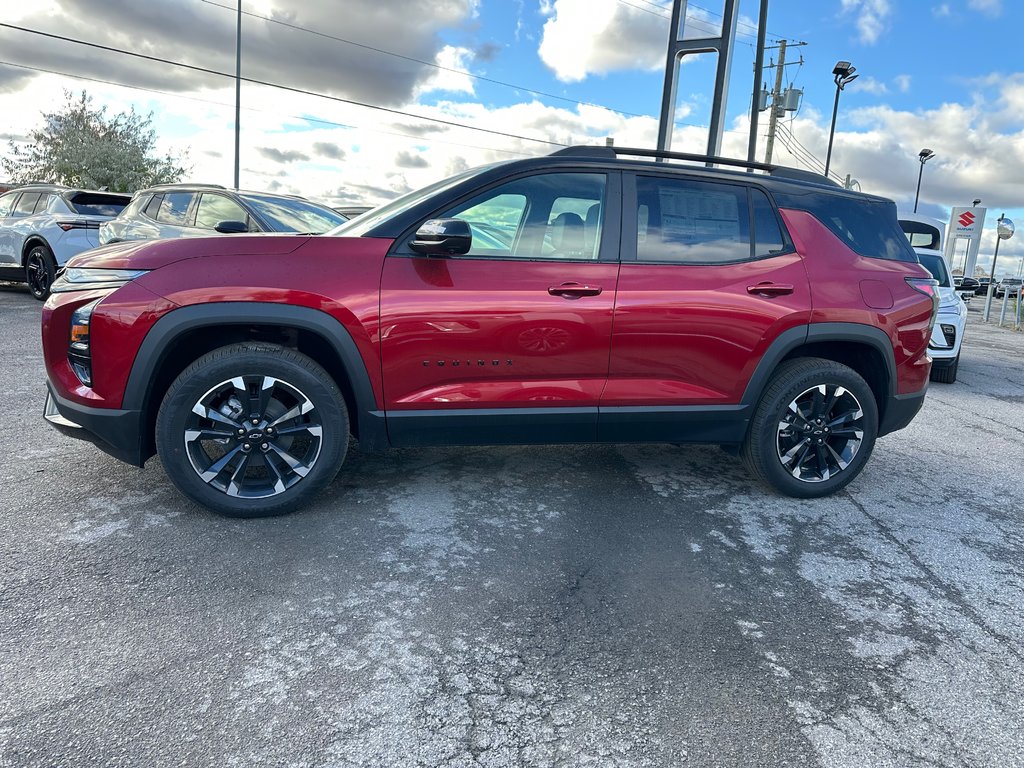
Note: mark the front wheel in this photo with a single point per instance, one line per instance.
(252, 430)
(813, 430)
(40, 269)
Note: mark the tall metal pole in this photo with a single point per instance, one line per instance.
(762, 31)
(776, 99)
(668, 94)
(832, 130)
(238, 90)
(918, 193)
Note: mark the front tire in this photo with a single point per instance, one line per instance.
(40, 269)
(813, 429)
(252, 430)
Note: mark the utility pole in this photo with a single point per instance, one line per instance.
(238, 89)
(778, 105)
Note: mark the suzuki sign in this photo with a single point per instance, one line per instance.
(964, 224)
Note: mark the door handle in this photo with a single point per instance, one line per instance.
(770, 289)
(574, 290)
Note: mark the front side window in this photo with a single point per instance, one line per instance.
(685, 221)
(6, 201)
(214, 208)
(174, 209)
(549, 216)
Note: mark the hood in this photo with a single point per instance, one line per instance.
(152, 254)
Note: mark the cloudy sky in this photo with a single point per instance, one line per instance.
(383, 96)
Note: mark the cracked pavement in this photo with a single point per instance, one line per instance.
(556, 606)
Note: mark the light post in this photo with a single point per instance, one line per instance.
(1004, 231)
(238, 90)
(842, 75)
(924, 156)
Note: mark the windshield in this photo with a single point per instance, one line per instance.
(936, 266)
(359, 226)
(285, 214)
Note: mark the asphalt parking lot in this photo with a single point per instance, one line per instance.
(581, 606)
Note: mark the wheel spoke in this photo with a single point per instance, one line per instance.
(294, 464)
(302, 408)
(314, 429)
(840, 461)
(214, 415)
(822, 461)
(846, 418)
(218, 466)
(234, 485)
(279, 481)
(191, 435)
(788, 456)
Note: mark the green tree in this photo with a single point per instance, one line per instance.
(81, 146)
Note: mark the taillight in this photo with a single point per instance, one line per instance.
(69, 225)
(929, 288)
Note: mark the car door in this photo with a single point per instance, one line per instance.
(7, 256)
(510, 341)
(176, 215)
(708, 279)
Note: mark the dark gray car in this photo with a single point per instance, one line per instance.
(194, 210)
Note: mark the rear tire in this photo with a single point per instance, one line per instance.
(813, 429)
(40, 270)
(252, 430)
(946, 375)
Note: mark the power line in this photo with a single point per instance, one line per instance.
(423, 62)
(305, 118)
(292, 89)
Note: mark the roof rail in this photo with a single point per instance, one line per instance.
(611, 152)
(172, 185)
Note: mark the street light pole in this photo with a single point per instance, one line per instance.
(842, 75)
(924, 156)
(238, 89)
(1004, 231)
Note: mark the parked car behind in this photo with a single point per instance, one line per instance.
(926, 235)
(44, 225)
(982, 289)
(1008, 284)
(200, 210)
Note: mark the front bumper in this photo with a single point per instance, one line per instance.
(116, 432)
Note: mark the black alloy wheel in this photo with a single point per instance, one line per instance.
(40, 270)
(813, 429)
(252, 430)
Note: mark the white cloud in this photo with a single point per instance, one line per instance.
(585, 37)
(869, 85)
(991, 8)
(942, 10)
(872, 18)
(902, 83)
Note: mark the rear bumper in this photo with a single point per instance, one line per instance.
(900, 411)
(116, 432)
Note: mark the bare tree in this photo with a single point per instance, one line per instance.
(81, 146)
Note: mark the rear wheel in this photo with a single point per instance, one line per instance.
(813, 430)
(252, 430)
(40, 269)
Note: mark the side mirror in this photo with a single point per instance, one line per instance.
(443, 237)
(231, 227)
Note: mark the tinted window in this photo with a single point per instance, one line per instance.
(25, 204)
(767, 231)
(43, 203)
(691, 222)
(213, 209)
(286, 214)
(153, 207)
(174, 209)
(95, 204)
(937, 266)
(867, 226)
(6, 201)
(922, 235)
(549, 216)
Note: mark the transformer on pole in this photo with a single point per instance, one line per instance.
(677, 49)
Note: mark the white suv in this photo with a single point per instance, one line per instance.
(925, 234)
(44, 225)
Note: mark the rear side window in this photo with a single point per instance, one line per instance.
(25, 204)
(43, 203)
(691, 222)
(768, 238)
(93, 204)
(868, 227)
(174, 209)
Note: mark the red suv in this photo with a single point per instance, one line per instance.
(578, 297)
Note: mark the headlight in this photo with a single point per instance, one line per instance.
(85, 279)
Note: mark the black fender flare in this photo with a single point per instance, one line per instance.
(815, 333)
(30, 243)
(160, 338)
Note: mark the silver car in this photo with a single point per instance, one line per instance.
(44, 225)
(197, 210)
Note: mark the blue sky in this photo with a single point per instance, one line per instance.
(933, 74)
